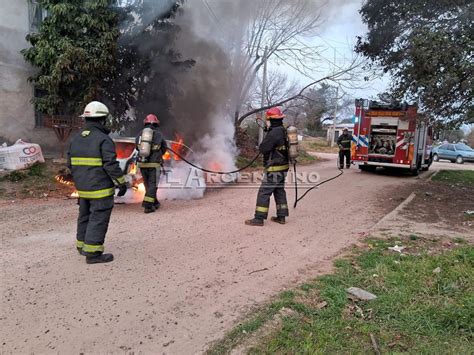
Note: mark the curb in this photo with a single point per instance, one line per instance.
(433, 175)
(393, 212)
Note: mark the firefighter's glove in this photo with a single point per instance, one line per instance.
(122, 189)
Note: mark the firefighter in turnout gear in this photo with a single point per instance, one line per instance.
(150, 162)
(96, 173)
(274, 148)
(344, 143)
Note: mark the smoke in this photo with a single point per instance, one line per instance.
(195, 62)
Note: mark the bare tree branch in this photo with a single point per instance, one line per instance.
(331, 77)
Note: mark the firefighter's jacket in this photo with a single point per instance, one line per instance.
(274, 148)
(344, 141)
(93, 162)
(158, 148)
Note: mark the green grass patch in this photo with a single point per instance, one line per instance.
(305, 158)
(417, 310)
(36, 170)
(458, 177)
(319, 145)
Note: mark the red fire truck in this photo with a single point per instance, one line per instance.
(390, 136)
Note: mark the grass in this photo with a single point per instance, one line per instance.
(416, 310)
(35, 182)
(462, 177)
(36, 170)
(318, 145)
(303, 158)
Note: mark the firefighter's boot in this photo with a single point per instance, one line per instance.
(99, 259)
(150, 209)
(280, 220)
(157, 205)
(254, 222)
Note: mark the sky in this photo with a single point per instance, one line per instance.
(337, 37)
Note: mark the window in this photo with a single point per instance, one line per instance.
(462, 146)
(444, 146)
(451, 147)
(36, 15)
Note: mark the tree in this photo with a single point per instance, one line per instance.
(470, 138)
(427, 46)
(147, 63)
(74, 52)
(279, 26)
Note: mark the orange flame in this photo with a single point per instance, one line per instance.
(64, 179)
(74, 194)
(177, 146)
(140, 187)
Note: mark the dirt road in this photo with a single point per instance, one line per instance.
(182, 276)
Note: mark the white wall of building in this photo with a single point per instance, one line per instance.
(17, 116)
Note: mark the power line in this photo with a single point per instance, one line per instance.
(211, 11)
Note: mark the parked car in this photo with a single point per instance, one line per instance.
(456, 153)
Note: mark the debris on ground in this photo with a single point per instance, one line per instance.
(437, 270)
(361, 294)
(397, 248)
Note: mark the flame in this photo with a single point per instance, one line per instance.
(74, 194)
(124, 149)
(64, 179)
(132, 169)
(214, 166)
(140, 187)
(177, 146)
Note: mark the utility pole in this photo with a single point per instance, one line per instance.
(334, 118)
(264, 94)
(333, 135)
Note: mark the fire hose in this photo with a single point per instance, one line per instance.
(213, 171)
(315, 186)
(297, 199)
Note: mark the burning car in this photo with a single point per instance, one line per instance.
(127, 157)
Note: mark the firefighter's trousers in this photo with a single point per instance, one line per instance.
(347, 154)
(273, 183)
(151, 178)
(92, 224)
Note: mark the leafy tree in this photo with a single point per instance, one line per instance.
(147, 63)
(427, 46)
(470, 138)
(74, 52)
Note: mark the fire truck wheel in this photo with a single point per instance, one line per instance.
(435, 157)
(459, 160)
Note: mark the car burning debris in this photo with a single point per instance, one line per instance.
(127, 158)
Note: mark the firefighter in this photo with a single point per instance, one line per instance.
(96, 173)
(274, 148)
(150, 166)
(344, 143)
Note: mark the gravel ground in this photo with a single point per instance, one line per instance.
(182, 276)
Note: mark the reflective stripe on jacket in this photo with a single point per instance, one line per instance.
(93, 162)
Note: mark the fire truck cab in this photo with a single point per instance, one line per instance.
(390, 136)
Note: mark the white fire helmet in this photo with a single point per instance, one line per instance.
(95, 109)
